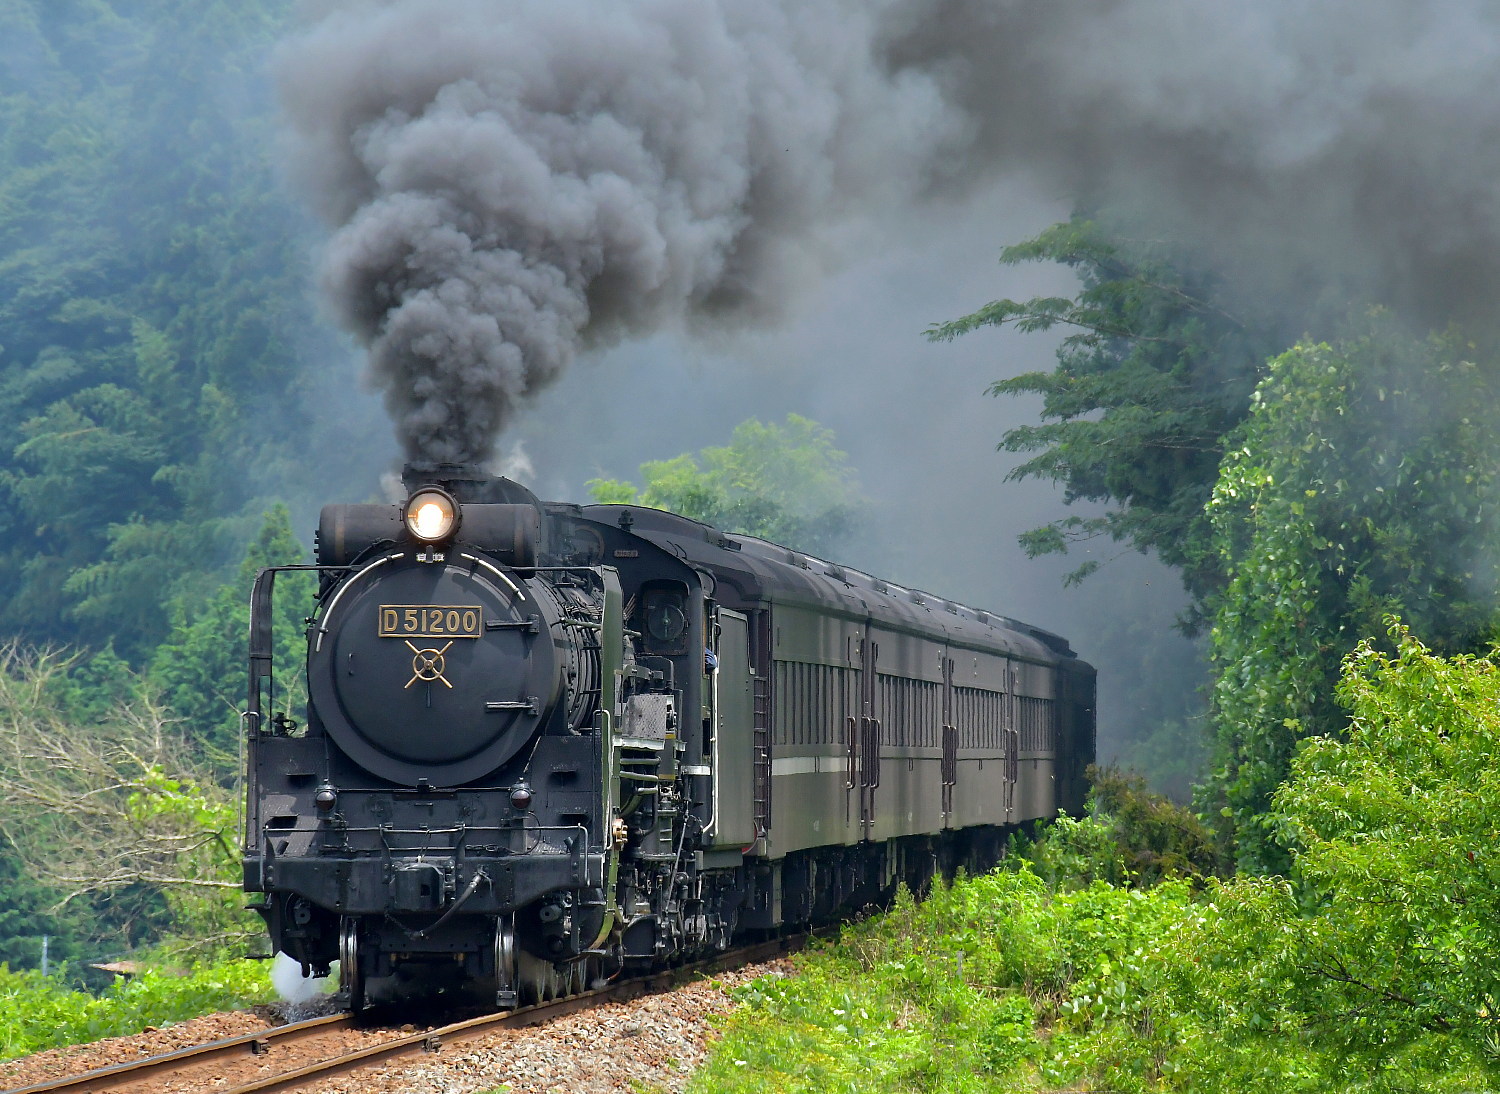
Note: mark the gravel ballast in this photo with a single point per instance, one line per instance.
(57, 1062)
(651, 1043)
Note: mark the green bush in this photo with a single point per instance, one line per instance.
(1134, 837)
(949, 995)
(1156, 837)
(38, 1012)
(1370, 970)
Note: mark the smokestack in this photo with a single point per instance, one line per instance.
(466, 482)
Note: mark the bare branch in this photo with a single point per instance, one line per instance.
(124, 801)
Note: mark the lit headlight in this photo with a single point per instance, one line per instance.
(431, 515)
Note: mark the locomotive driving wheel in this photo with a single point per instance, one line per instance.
(351, 977)
(539, 980)
(505, 961)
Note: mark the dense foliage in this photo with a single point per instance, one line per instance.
(38, 1012)
(126, 820)
(1363, 482)
(1396, 829)
(153, 316)
(786, 483)
(118, 810)
(942, 996)
(1140, 838)
(1301, 490)
(1368, 971)
(155, 334)
(200, 671)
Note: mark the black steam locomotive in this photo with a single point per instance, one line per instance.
(545, 743)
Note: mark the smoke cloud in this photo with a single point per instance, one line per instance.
(1346, 148)
(513, 182)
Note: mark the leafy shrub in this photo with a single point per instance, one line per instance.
(1135, 837)
(1370, 970)
(1156, 837)
(38, 1012)
(948, 995)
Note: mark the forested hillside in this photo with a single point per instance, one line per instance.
(156, 405)
(155, 316)
(1308, 463)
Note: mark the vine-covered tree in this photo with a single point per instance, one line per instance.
(1363, 482)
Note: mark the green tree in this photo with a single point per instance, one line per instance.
(1157, 369)
(1395, 826)
(786, 483)
(1371, 968)
(28, 911)
(1362, 483)
(152, 303)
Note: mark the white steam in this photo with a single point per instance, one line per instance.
(293, 988)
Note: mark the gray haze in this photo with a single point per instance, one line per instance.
(917, 427)
(1348, 144)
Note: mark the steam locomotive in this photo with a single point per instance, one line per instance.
(546, 743)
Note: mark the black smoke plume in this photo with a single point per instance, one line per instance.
(511, 181)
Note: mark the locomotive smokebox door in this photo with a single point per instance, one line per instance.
(437, 672)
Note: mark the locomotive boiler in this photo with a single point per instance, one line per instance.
(546, 743)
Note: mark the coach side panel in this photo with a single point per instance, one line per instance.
(830, 674)
(815, 689)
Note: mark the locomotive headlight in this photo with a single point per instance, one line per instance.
(431, 515)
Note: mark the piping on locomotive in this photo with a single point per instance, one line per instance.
(546, 743)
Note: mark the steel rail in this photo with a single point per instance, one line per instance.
(435, 1040)
(430, 1041)
(139, 1071)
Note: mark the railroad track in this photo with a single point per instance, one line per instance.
(205, 1066)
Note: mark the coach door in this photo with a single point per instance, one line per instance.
(949, 766)
(1012, 737)
(862, 739)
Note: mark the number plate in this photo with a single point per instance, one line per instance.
(431, 621)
